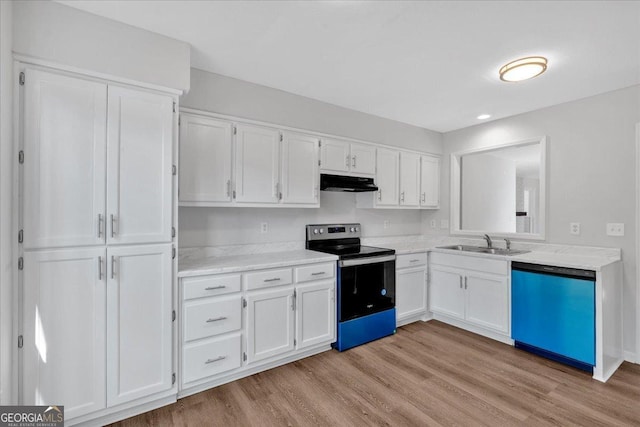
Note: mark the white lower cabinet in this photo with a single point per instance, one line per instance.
(234, 325)
(472, 290)
(411, 288)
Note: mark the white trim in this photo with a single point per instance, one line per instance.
(321, 135)
(90, 73)
(454, 213)
(637, 311)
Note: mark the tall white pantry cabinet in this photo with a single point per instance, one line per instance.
(96, 218)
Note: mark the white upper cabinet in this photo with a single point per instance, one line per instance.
(139, 323)
(349, 158)
(409, 179)
(300, 175)
(64, 329)
(139, 166)
(257, 164)
(205, 159)
(387, 177)
(65, 158)
(430, 182)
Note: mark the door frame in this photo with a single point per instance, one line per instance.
(636, 357)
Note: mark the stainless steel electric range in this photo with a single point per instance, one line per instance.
(366, 283)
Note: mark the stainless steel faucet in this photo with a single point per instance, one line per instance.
(488, 239)
(508, 242)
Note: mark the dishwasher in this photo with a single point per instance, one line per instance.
(553, 313)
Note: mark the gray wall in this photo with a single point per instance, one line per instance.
(6, 172)
(65, 35)
(591, 173)
(225, 226)
(225, 95)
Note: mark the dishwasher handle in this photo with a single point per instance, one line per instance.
(575, 273)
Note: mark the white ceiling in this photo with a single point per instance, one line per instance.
(431, 64)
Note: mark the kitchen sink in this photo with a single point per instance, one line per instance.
(484, 250)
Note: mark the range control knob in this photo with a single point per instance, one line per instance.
(321, 230)
(356, 229)
(352, 229)
(315, 231)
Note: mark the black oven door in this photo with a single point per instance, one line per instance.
(366, 286)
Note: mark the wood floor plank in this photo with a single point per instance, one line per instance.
(428, 374)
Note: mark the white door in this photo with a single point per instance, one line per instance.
(300, 173)
(387, 177)
(139, 166)
(446, 292)
(409, 179)
(315, 314)
(139, 318)
(363, 159)
(64, 330)
(488, 300)
(270, 321)
(334, 156)
(205, 159)
(430, 182)
(256, 164)
(64, 160)
(411, 292)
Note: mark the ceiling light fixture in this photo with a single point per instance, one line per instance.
(484, 116)
(523, 69)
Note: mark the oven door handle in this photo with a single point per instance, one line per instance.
(364, 261)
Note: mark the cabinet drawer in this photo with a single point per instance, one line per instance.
(209, 286)
(212, 316)
(268, 278)
(209, 358)
(315, 272)
(484, 264)
(411, 260)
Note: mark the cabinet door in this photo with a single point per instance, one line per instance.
(446, 292)
(334, 156)
(300, 173)
(256, 165)
(139, 345)
(488, 300)
(269, 323)
(411, 292)
(387, 177)
(430, 182)
(205, 159)
(64, 166)
(363, 159)
(139, 166)
(409, 179)
(315, 314)
(64, 330)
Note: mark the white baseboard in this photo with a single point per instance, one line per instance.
(630, 356)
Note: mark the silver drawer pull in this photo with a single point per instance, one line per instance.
(414, 260)
(217, 319)
(213, 288)
(275, 279)
(217, 359)
(318, 273)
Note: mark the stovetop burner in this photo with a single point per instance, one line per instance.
(342, 240)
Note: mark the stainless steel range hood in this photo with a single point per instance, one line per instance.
(354, 184)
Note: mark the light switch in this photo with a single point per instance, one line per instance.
(433, 223)
(615, 229)
(574, 228)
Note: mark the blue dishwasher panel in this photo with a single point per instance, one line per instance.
(554, 313)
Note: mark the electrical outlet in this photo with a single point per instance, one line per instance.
(615, 229)
(574, 228)
(264, 227)
(386, 223)
(433, 223)
(444, 223)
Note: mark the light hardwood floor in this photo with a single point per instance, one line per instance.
(427, 374)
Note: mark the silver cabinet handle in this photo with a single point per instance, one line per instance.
(293, 301)
(113, 225)
(217, 359)
(315, 192)
(100, 224)
(113, 267)
(402, 197)
(99, 268)
(318, 273)
(460, 282)
(353, 161)
(217, 319)
(348, 158)
(414, 260)
(424, 197)
(275, 279)
(228, 188)
(465, 282)
(212, 288)
(379, 195)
